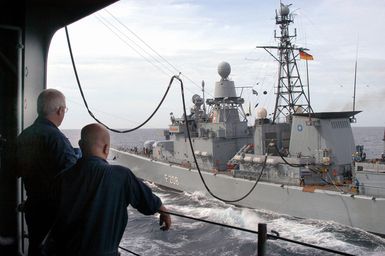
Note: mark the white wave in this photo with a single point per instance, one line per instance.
(152, 185)
(178, 245)
(202, 198)
(322, 233)
(138, 245)
(198, 197)
(314, 232)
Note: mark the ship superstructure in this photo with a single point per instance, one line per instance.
(216, 135)
(303, 147)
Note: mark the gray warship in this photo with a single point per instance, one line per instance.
(298, 162)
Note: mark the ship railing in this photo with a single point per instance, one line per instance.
(263, 236)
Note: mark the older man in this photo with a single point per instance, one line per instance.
(42, 153)
(94, 197)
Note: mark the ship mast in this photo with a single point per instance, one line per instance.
(290, 94)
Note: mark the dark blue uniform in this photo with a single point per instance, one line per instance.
(92, 214)
(42, 152)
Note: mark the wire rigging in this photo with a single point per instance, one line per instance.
(133, 48)
(141, 40)
(135, 43)
(152, 49)
(157, 57)
(120, 34)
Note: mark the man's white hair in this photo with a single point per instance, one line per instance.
(49, 101)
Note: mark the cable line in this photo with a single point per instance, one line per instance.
(274, 236)
(124, 41)
(120, 35)
(153, 50)
(126, 250)
(86, 104)
(135, 43)
(140, 39)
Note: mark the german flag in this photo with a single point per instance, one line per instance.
(305, 56)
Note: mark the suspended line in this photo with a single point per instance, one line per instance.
(153, 50)
(86, 104)
(140, 54)
(135, 43)
(105, 21)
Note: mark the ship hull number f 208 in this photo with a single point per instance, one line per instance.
(171, 179)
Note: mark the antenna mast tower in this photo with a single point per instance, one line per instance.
(290, 94)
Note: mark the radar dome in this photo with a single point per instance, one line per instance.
(224, 69)
(261, 113)
(284, 10)
(197, 100)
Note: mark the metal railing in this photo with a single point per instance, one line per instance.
(263, 236)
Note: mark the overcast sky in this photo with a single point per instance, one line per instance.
(123, 79)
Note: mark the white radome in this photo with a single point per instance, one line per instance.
(261, 113)
(224, 69)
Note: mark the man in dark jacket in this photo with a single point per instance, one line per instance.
(43, 152)
(94, 197)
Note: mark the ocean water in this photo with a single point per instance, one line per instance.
(188, 237)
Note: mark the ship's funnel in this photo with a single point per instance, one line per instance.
(224, 88)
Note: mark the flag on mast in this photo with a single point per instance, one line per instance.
(305, 56)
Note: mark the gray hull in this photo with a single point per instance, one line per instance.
(358, 211)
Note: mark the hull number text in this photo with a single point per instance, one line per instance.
(171, 179)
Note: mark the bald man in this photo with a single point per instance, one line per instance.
(94, 197)
(42, 152)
